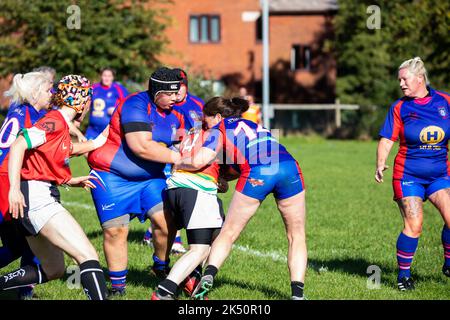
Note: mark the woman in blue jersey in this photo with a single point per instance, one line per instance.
(420, 119)
(130, 173)
(107, 95)
(265, 167)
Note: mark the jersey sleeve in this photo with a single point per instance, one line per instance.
(393, 123)
(181, 125)
(135, 115)
(46, 129)
(121, 91)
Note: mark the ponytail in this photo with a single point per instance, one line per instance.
(27, 87)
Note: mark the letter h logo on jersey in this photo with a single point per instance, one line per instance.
(432, 135)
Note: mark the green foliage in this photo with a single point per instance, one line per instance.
(368, 59)
(200, 86)
(124, 35)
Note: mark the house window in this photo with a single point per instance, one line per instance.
(259, 29)
(204, 28)
(300, 57)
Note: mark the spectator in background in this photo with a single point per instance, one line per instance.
(254, 111)
(107, 95)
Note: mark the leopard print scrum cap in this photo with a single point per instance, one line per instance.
(74, 91)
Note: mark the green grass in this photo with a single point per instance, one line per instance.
(352, 223)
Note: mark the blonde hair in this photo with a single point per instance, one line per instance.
(27, 87)
(416, 67)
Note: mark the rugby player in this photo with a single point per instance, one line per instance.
(265, 167)
(38, 163)
(420, 120)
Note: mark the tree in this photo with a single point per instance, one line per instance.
(82, 36)
(368, 58)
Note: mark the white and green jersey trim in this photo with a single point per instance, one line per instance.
(196, 181)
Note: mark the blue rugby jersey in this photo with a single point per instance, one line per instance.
(192, 111)
(18, 117)
(246, 144)
(423, 127)
(139, 111)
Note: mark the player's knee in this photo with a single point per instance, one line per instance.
(413, 230)
(229, 234)
(200, 250)
(115, 233)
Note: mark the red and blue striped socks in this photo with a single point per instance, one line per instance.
(118, 279)
(406, 248)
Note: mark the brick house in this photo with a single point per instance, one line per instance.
(223, 40)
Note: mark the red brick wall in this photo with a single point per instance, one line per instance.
(237, 58)
(237, 37)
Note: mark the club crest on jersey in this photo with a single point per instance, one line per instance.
(256, 182)
(432, 135)
(443, 112)
(194, 116)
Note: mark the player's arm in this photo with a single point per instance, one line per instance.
(389, 133)
(202, 158)
(88, 146)
(15, 196)
(383, 150)
(75, 132)
(142, 145)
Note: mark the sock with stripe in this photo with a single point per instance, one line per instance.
(147, 235)
(406, 248)
(118, 279)
(297, 288)
(25, 276)
(93, 280)
(167, 287)
(446, 245)
(28, 258)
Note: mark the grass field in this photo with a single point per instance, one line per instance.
(352, 223)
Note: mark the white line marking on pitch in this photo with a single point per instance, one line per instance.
(275, 256)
